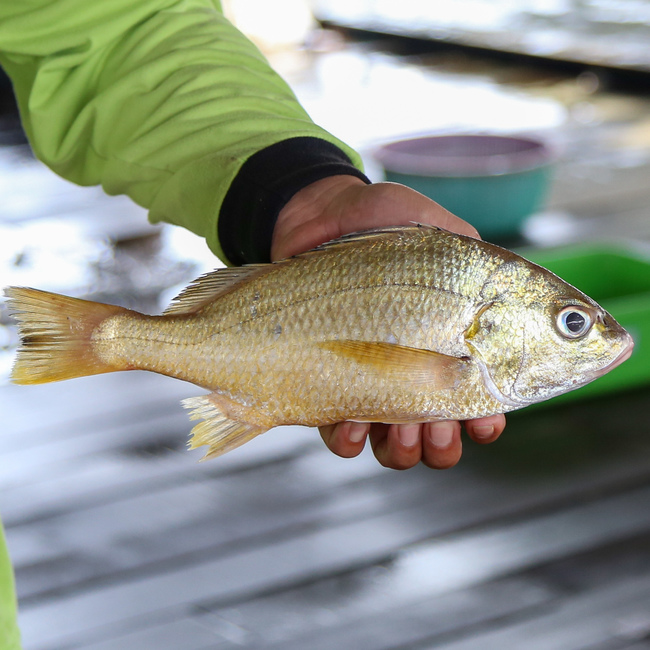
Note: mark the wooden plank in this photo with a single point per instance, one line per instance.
(590, 570)
(201, 512)
(184, 519)
(286, 495)
(61, 477)
(302, 618)
(23, 466)
(370, 603)
(319, 619)
(610, 617)
(351, 610)
(187, 633)
(84, 449)
(435, 567)
(34, 415)
(123, 468)
(90, 480)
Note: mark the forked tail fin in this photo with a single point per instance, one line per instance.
(55, 333)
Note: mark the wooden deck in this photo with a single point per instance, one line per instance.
(121, 540)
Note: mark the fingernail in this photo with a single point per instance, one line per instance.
(357, 431)
(409, 434)
(484, 431)
(441, 434)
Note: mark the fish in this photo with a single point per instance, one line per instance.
(394, 325)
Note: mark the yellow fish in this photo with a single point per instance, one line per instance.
(396, 325)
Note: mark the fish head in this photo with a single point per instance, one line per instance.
(536, 337)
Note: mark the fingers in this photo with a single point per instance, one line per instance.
(445, 219)
(391, 204)
(441, 444)
(437, 445)
(485, 430)
(345, 439)
(337, 205)
(402, 446)
(398, 446)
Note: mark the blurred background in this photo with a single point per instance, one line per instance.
(120, 539)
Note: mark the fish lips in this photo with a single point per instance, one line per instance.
(623, 355)
(628, 346)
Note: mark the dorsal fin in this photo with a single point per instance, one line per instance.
(211, 285)
(216, 283)
(373, 233)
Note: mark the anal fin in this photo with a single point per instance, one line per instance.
(219, 429)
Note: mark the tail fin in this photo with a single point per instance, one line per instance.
(56, 335)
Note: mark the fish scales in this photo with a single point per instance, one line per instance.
(399, 325)
(264, 352)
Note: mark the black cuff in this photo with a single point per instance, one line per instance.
(264, 184)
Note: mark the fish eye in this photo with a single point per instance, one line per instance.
(574, 322)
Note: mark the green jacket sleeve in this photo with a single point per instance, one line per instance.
(163, 100)
(9, 634)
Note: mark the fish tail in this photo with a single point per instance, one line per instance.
(55, 334)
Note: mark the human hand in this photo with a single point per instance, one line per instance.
(339, 205)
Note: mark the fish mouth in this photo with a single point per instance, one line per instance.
(623, 356)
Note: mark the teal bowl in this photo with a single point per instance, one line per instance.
(494, 182)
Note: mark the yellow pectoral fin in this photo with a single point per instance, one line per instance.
(439, 371)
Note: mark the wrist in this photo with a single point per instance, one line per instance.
(265, 183)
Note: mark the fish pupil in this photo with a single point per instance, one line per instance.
(574, 322)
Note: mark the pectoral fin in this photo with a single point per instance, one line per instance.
(438, 371)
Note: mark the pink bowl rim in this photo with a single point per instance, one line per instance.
(534, 153)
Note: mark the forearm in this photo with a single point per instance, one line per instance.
(161, 100)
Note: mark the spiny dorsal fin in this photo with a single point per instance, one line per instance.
(403, 363)
(206, 288)
(373, 233)
(216, 283)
